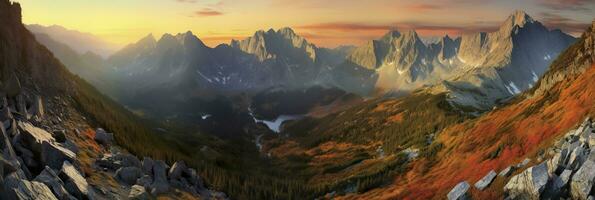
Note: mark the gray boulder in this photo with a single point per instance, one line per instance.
(559, 160)
(74, 182)
(103, 137)
(529, 184)
(577, 157)
(59, 135)
(219, 195)
(160, 184)
(582, 181)
(6, 167)
(145, 181)
(523, 163)
(108, 162)
(44, 146)
(54, 155)
(147, 165)
(194, 179)
(51, 179)
(175, 172)
(129, 175)
(486, 180)
(27, 156)
(506, 171)
(127, 160)
(22, 189)
(459, 192)
(138, 192)
(70, 145)
(554, 188)
(565, 176)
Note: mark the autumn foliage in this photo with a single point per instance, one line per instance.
(496, 140)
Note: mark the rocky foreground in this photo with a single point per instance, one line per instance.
(568, 173)
(38, 161)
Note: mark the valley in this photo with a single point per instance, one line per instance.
(274, 116)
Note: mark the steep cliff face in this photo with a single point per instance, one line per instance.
(574, 60)
(24, 62)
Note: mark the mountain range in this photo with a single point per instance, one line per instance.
(80, 42)
(479, 70)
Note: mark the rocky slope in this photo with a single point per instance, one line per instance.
(477, 70)
(49, 149)
(525, 142)
(568, 173)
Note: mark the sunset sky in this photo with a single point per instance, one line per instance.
(327, 23)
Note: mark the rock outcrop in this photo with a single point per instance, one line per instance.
(49, 177)
(529, 184)
(582, 181)
(74, 182)
(153, 177)
(138, 192)
(459, 192)
(569, 173)
(486, 180)
(129, 175)
(103, 137)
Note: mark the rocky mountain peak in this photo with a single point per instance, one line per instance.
(517, 18)
(188, 39)
(148, 40)
(287, 32)
(272, 44)
(446, 38)
(167, 40)
(412, 36)
(391, 35)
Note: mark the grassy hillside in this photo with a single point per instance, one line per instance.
(362, 147)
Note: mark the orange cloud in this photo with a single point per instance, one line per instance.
(571, 26)
(571, 5)
(421, 27)
(207, 12)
